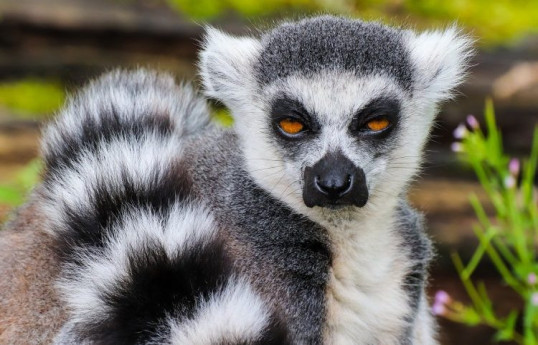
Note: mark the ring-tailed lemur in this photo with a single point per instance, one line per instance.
(154, 226)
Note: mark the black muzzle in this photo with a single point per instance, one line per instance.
(334, 181)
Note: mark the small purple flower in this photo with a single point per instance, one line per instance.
(438, 309)
(442, 297)
(473, 122)
(460, 132)
(531, 278)
(456, 147)
(509, 182)
(514, 167)
(534, 298)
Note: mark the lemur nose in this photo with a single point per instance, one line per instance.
(334, 184)
(334, 181)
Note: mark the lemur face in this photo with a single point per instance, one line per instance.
(333, 113)
(337, 135)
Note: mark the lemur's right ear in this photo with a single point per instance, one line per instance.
(226, 65)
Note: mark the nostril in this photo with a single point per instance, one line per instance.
(334, 185)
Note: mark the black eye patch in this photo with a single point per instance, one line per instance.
(285, 107)
(382, 107)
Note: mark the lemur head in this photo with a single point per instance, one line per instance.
(332, 112)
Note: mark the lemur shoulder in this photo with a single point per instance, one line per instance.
(153, 225)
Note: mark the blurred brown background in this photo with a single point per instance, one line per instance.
(48, 47)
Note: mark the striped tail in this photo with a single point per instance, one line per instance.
(142, 259)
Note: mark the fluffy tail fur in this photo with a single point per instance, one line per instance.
(142, 262)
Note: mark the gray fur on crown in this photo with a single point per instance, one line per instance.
(336, 43)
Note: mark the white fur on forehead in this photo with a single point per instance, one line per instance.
(334, 96)
(226, 66)
(441, 59)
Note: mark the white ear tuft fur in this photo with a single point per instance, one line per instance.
(441, 59)
(226, 64)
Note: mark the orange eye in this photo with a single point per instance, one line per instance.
(291, 126)
(378, 124)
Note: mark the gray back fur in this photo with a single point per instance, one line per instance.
(286, 256)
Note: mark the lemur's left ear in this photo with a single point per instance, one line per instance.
(226, 65)
(441, 59)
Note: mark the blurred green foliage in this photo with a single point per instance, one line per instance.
(29, 98)
(205, 9)
(223, 117)
(12, 193)
(508, 238)
(492, 22)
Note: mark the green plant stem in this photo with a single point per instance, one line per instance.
(488, 317)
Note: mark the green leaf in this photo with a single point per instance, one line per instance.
(506, 333)
(478, 254)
